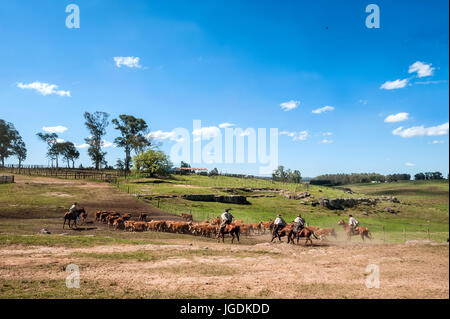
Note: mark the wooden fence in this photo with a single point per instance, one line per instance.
(6, 179)
(66, 173)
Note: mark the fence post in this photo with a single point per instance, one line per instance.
(404, 235)
(429, 236)
(384, 235)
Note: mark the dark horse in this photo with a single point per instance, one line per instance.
(232, 229)
(73, 216)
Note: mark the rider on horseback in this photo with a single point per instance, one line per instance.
(73, 208)
(300, 221)
(279, 224)
(227, 218)
(353, 223)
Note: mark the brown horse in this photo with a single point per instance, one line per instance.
(305, 233)
(362, 231)
(73, 216)
(232, 229)
(285, 231)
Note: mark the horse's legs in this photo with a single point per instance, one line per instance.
(64, 223)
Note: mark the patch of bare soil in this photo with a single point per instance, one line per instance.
(258, 271)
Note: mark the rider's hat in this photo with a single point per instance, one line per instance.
(299, 215)
(227, 209)
(279, 215)
(350, 216)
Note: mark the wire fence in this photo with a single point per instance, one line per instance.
(6, 179)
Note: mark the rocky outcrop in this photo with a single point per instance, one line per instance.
(342, 203)
(296, 196)
(231, 199)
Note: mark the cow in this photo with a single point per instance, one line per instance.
(188, 217)
(119, 223)
(143, 217)
(129, 225)
(140, 226)
(126, 216)
(324, 232)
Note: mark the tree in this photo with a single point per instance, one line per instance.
(20, 151)
(132, 130)
(185, 171)
(50, 140)
(296, 176)
(152, 163)
(96, 123)
(10, 142)
(419, 177)
(214, 172)
(68, 151)
(120, 165)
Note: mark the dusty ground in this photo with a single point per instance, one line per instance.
(215, 270)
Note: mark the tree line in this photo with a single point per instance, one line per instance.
(428, 176)
(355, 178)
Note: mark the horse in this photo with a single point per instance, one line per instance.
(362, 231)
(73, 216)
(305, 232)
(232, 229)
(282, 232)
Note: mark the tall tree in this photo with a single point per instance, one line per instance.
(20, 150)
(152, 163)
(96, 123)
(69, 153)
(50, 140)
(132, 137)
(9, 137)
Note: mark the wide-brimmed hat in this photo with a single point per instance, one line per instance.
(228, 209)
(279, 215)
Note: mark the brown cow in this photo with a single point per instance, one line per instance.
(129, 225)
(119, 223)
(324, 232)
(140, 226)
(126, 216)
(143, 217)
(188, 217)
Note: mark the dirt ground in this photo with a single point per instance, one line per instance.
(415, 270)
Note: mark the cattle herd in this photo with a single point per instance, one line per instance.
(207, 228)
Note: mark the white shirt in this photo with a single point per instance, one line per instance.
(279, 221)
(299, 220)
(73, 207)
(352, 221)
(227, 216)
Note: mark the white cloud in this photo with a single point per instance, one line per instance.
(437, 142)
(296, 136)
(54, 129)
(422, 69)
(421, 131)
(290, 105)
(399, 117)
(59, 140)
(84, 145)
(160, 135)
(410, 164)
(392, 85)
(226, 125)
(431, 82)
(107, 144)
(326, 141)
(128, 61)
(43, 88)
(206, 132)
(323, 109)
(327, 134)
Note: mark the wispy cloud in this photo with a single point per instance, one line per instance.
(107, 144)
(54, 129)
(296, 136)
(161, 135)
(43, 88)
(438, 142)
(128, 61)
(323, 109)
(326, 141)
(84, 145)
(422, 69)
(421, 131)
(410, 164)
(226, 125)
(290, 105)
(206, 132)
(431, 82)
(393, 85)
(399, 117)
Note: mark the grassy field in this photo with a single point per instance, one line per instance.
(422, 213)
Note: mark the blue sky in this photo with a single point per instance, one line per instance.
(238, 62)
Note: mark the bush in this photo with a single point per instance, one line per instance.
(152, 163)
